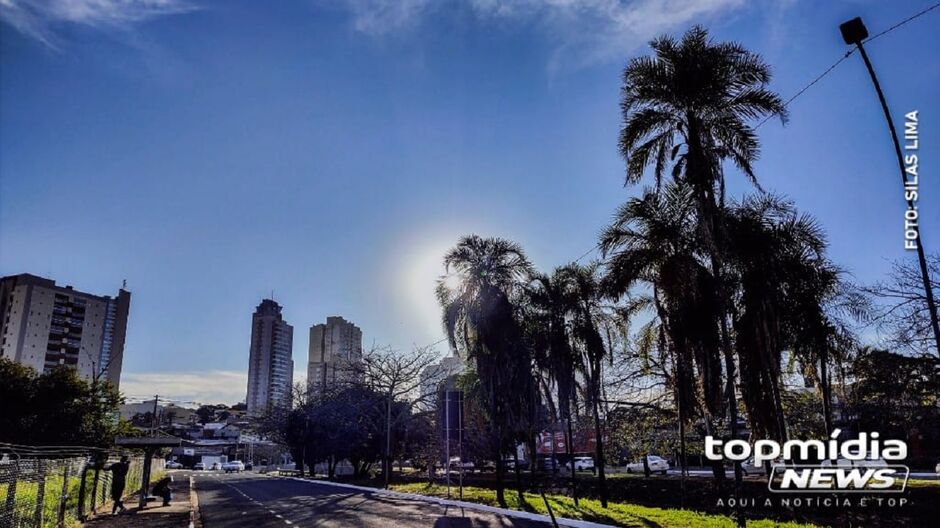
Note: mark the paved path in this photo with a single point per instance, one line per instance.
(154, 515)
(255, 501)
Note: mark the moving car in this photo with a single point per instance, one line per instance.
(582, 464)
(235, 466)
(216, 466)
(937, 470)
(199, 466)
(657, 464)
(172, 464)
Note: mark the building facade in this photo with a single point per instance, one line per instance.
(270, 363)
(432, 378)
(45, 326)
(335, 349)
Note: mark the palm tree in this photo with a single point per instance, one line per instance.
(550, 299)
(587, 316)
(791, 297)
(776, 257)
(483, 274)
(653, 240)
(690, 106)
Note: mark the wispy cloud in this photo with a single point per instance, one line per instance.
(41, 18)
(214, 386)
(378, 17)
(583, 31)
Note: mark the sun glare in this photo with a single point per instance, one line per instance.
(453, 281)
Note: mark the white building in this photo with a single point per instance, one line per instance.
(433, 375)
(270, 363)
(45, 326)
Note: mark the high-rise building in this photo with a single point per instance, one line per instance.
(434, 375)
(45, 326)
(335, 349)
(270, 363)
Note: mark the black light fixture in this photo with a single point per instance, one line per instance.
(854, 31)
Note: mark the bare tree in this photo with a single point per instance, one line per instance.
(397, 376)
(902, 300)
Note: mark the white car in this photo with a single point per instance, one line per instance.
(582, 464)
(865, 462)
(937, 470)
(172, 464)
(751, 469)
(199, 466)
(657, 464)
(216, 466)
(234, 466)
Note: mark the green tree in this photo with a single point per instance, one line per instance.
(895, 394)
(56, 408)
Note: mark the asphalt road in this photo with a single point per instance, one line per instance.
(254, 501)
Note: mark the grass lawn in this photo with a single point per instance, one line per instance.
(917, 483)
(620, 514)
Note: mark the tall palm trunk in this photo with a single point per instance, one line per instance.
(701, 176)
(500, 469)
(825, 388)
(599, 439)
(515, 459)
(569, 452)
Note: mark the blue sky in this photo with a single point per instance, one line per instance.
(211, 152)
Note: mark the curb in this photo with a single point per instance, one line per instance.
(195, 521)
(572, 523)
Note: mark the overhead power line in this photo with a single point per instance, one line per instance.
(846, 55)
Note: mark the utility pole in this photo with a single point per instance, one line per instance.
(447, 437)
(388, 439)
(855, 32)
(153, 417)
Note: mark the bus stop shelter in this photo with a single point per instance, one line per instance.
(149, 445)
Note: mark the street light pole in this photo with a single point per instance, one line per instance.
(855, 32)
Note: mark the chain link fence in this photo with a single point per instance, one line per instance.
(53, 492)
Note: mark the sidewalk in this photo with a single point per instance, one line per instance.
(153, 515)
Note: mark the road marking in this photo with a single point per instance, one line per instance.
(287, 522)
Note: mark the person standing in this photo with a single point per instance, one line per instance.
(118, 481)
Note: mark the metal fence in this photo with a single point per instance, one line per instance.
(60, 492)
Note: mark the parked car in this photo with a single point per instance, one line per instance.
(582, 464)
(199, 466)
(486, 465)
(216, 466)
(235, 466)
(937, 470)
(172, 464)
(865, 462)
(456, 465)
(751, 469)
(510, 464)
(657, 464)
